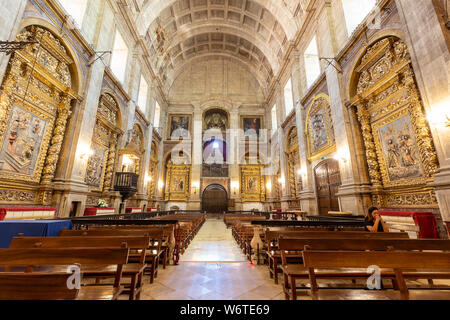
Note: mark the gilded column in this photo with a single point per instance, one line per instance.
(371, 154)
(110, 165)
(56, 143)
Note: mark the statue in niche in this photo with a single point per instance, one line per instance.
(216, 121)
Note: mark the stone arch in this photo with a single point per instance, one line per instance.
(351, 79)
(77, 69)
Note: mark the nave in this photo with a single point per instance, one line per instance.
(213, 268)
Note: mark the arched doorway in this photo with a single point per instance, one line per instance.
(328, 180)
(215, 199)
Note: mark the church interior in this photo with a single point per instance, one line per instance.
(224, 149)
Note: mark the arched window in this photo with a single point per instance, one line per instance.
(143, 95)
(312, 62)
(288, 100)
(76, 9)
(157, 115)
(119, 57)
(355, 12)
(274, 119)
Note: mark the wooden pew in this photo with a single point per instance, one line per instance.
(153, 252)
(44, 259)
(274, 255)
(293, 249)
(134, 271)
(36, 286)
(167, 245)
(398, 262)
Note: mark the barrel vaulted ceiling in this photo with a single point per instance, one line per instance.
(256, 33)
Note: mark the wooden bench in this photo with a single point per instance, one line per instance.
(153, 252)
(168, 242)
(274, 255)
(293, 249)
(399, 263)
(45, 259)
(36, 286)
(134, 271)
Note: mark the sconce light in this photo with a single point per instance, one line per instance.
(281, 180)
(342, 155)
(195, 186)
(147, 178)
(85, 152)
(235, 186)
(269, 186)
(439, 117)
(160, 184)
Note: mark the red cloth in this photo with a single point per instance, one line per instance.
(130, 210)
(425, 220)
(93, 211)
(3, 211)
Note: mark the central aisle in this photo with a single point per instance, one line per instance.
(213, 268)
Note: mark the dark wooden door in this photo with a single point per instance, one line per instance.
(215, 200)
(328, 180)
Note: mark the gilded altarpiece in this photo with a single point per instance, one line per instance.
(35, 104)
(102, 163)
(400, 153)
(178, 183)
(293, 163)
(319, 128)
(252, 182)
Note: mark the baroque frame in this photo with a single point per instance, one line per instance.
(251, 172)
(381, 155)
(313, 108)
(50, 120)
(169, 126)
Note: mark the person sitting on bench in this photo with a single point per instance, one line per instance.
(373, 221)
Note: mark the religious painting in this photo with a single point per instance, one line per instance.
(399, 150)
(177, 182)
(252, 125)
(95, 166)
(216, 119)
(318, 130)
(22, 142)
(319, 126)
(179, 126)
(252, 184)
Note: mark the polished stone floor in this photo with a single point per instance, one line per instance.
(213, 268)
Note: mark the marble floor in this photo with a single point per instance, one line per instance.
(213, 268)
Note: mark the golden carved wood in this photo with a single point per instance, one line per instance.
(387, 97)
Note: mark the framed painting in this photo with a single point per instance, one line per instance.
(396, 145)
(252, 125)
(252, 184)
(319, 128)
(95, 170)
(24, 143)
(179, 126)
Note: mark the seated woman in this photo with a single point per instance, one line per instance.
(373, 221)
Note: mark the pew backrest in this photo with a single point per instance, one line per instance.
(36, 286)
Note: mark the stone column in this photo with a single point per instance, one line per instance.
(282, 145)
(307, 196)
(234, 157)
(351, 193)
(197, 159)
(11, 17)
(428, 42)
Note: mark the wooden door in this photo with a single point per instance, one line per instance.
(215, 200)
(328, 180)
